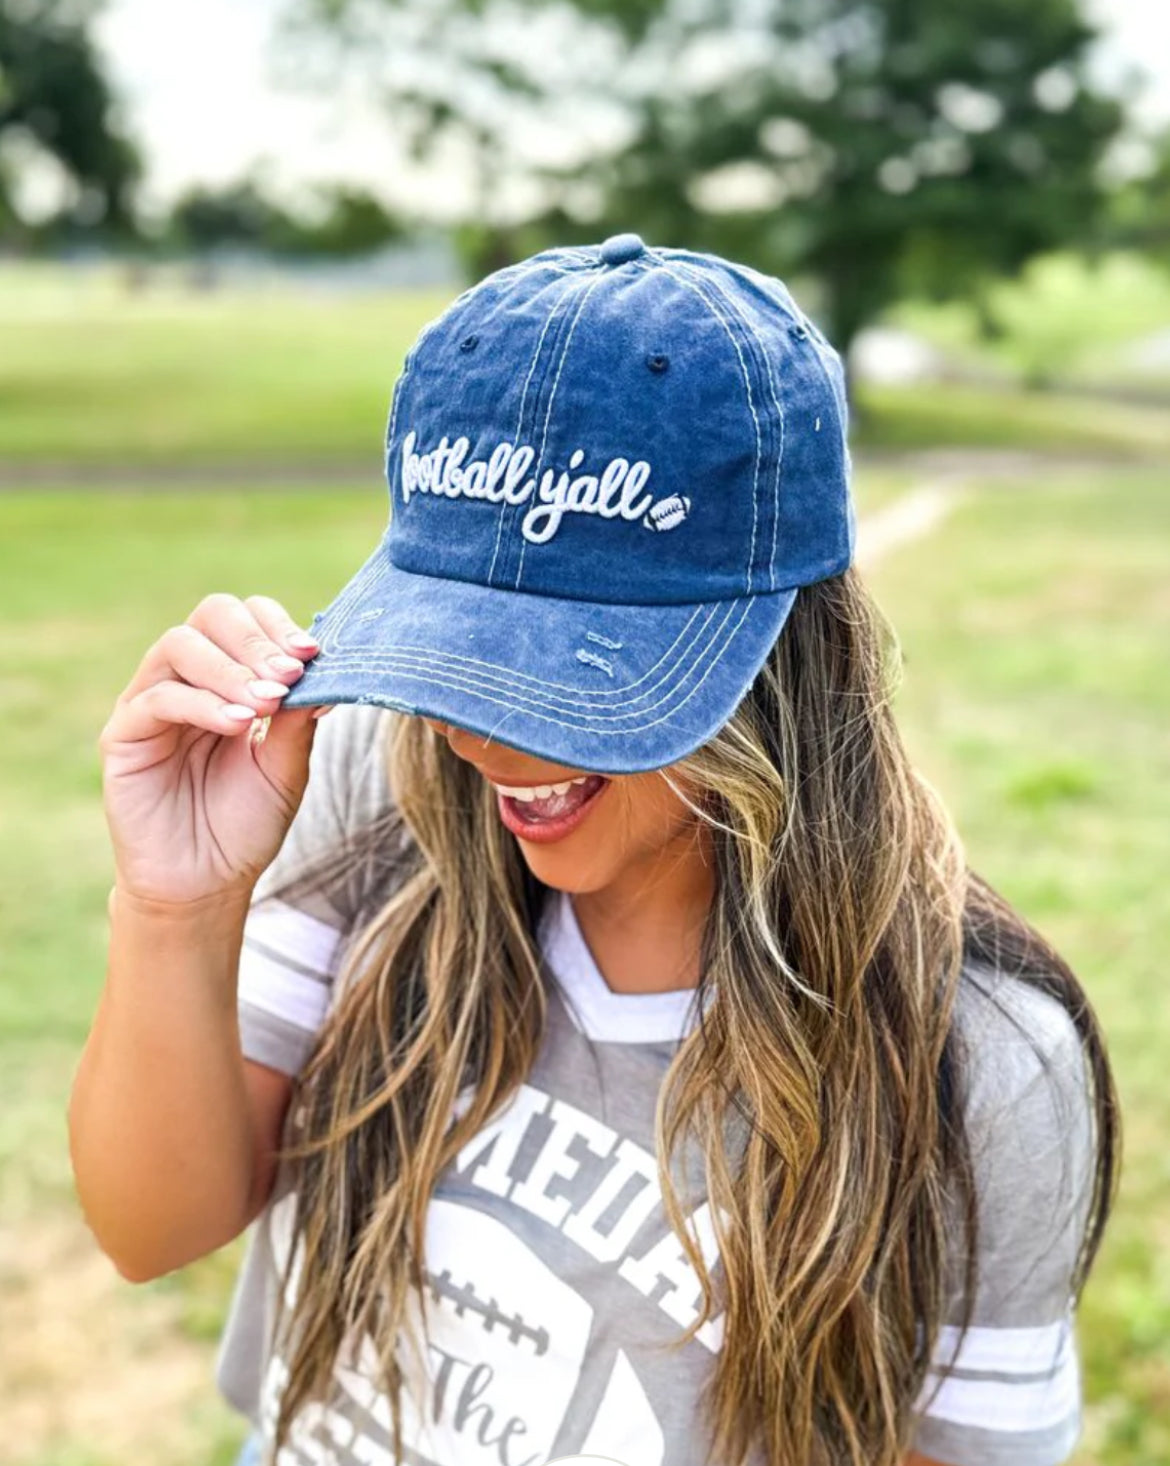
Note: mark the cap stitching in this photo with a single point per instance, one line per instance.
(363, 663)
(468, 681)
(767, 283)
(340, 657)
(369, 573)
(735, 306)
(690, 285)
(518, 270)
(499, 673)
(583, 727)
(552, 315)
(585, 294)
(422, 668)
(502, 515)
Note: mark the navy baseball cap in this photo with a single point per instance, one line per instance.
(611, 468)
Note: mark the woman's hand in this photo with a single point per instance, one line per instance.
(196, 807)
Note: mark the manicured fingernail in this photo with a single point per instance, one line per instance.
(302, 638)
(260, 688)
(238, 711)
(286, 664)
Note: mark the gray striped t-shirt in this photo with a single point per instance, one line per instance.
(553, 1281)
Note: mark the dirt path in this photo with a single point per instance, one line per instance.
(234, 474)
(908, 517)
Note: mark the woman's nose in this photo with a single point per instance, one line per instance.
(454, 734)
(463, 742)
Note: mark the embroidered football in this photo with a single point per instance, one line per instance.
(667, 512)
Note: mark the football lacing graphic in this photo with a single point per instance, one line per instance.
(465, 1299)
(667, 512)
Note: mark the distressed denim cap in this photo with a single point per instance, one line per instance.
(611, 468)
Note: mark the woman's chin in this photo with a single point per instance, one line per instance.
(574, 872)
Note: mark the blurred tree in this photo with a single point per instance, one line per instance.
(353, 222)
(873, 144)
(1141, 208)
(239, 213)
(57, 110)
(343, 221)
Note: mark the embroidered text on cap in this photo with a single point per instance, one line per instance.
(619, 248)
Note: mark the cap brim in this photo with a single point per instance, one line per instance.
(613, 688)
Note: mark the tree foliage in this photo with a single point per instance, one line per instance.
(872, 144)
(56, 100)
(1141, 209)
(346, 221)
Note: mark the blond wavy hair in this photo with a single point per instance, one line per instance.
(845, 918)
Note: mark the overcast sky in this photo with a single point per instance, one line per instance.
(197, 77)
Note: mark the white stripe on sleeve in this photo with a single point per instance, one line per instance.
(1007, 1351)
(1044, 1392)
(286, 963)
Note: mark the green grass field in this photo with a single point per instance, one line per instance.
(1034, 625)
(89, 580)
(1063, 318)
(91, 374)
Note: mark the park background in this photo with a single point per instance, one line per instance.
(222, 224)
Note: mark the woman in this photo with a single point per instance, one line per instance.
(660, 1083)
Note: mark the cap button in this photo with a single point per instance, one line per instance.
(622, 247)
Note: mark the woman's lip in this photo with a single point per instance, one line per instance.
(546, 832)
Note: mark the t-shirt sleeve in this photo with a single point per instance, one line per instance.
(1012, 1393)
(294, 938)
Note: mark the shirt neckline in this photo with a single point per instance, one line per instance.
(594, 1008)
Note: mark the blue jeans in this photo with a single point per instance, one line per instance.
(250, 1452)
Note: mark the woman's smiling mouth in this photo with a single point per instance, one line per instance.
(548, 812)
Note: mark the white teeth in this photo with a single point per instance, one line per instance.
(539, 791)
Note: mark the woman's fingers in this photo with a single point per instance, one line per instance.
(185, 654)
(222, 645)
(188, 816)
(230, 662)
(232, 625)
(281, 627)
(152, 710)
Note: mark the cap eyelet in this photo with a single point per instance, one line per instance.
(469, 343)
(657, 362)
(799, 332)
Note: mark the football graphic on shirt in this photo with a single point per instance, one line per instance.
(500, 1367)
(501, 1370)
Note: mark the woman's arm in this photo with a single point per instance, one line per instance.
(159, 1128)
